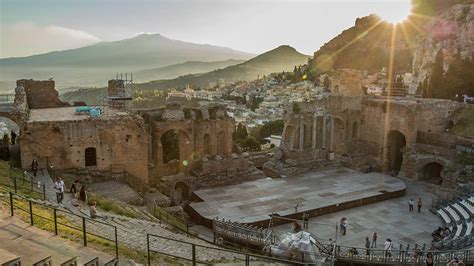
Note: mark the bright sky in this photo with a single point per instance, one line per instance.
(38, 26)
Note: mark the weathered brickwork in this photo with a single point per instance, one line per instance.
(41, 93)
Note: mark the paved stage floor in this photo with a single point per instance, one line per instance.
(389, 218)
(253, 201)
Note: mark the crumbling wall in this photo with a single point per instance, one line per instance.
(41, 93)
(119, 141)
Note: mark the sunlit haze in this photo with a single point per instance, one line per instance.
(31, 27)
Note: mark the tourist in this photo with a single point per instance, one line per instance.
(388, 247)
(83, 194)
(59, 188)
(13, 137)
(374, 240)
(411, 203)
(305, 220)
(296, 227)
(343, 225)
(455, 262)
(34, 167)
(429, 259)
(367, 245)
(74, 186)
(419, 204)
(296, 207)
(93, 209)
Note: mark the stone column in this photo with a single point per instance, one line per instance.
(302, 133)
(331, 134)
(324, 131)
(313, 137)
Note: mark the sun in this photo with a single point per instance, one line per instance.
(394, 11)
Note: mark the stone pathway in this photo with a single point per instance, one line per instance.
(132, 232)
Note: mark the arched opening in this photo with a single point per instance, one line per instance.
(396, 142)
(221, 143)
(207, 144)
(355, 130)
(170, 145)
(90, 157)
(181, 192)
(431, 172)
(9, 148)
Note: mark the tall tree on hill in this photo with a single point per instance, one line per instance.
(436, 82)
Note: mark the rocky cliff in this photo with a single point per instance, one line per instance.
(452, 33)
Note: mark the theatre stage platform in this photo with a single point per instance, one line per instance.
(316, 193)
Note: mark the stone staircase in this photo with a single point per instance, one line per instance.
(15, 236)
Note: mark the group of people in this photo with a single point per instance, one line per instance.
(440, 233)
(411, 204)
(80, 194)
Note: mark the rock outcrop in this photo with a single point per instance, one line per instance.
(452, 31)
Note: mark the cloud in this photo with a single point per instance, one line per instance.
(23, 39)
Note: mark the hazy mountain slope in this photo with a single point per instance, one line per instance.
(93, 65)
(173, 71)
(366, 46)
(283, 58)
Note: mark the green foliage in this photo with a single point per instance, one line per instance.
(6, 139)
(240, 133)
(250, 144)
(110, 205)
(465, 125)
(273, 127)
(459, 79)
(296, 108)
(326, 82)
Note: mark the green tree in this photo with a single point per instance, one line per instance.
(326, 82)
(240, 133)
(6, 139)
(250, 144)
(436, 81)
(296, 108)
(270, 128)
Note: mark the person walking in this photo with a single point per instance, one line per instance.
(388, 247)
(59, 188)
(34, 167)
(74, 187)
(93, 210)
(374, 240)
(343, 225)
(367, 246)
(305, 220)
(419, 203)
(83, 194)
(411, 203)
(296, 207)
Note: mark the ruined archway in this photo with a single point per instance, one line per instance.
(181, 192)
(431, 172)
(207, 144)
(221, 143)
(90, 157)
(170, 145)
(395, 143)
(9, 148)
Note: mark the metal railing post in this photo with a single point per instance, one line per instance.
(194, 254)
(14, 184)
(31, 212)
(247, 260)
(84, 234)
(116, 243)
(44, 192)
(55, 222)
(148, 248)
(11, 202)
